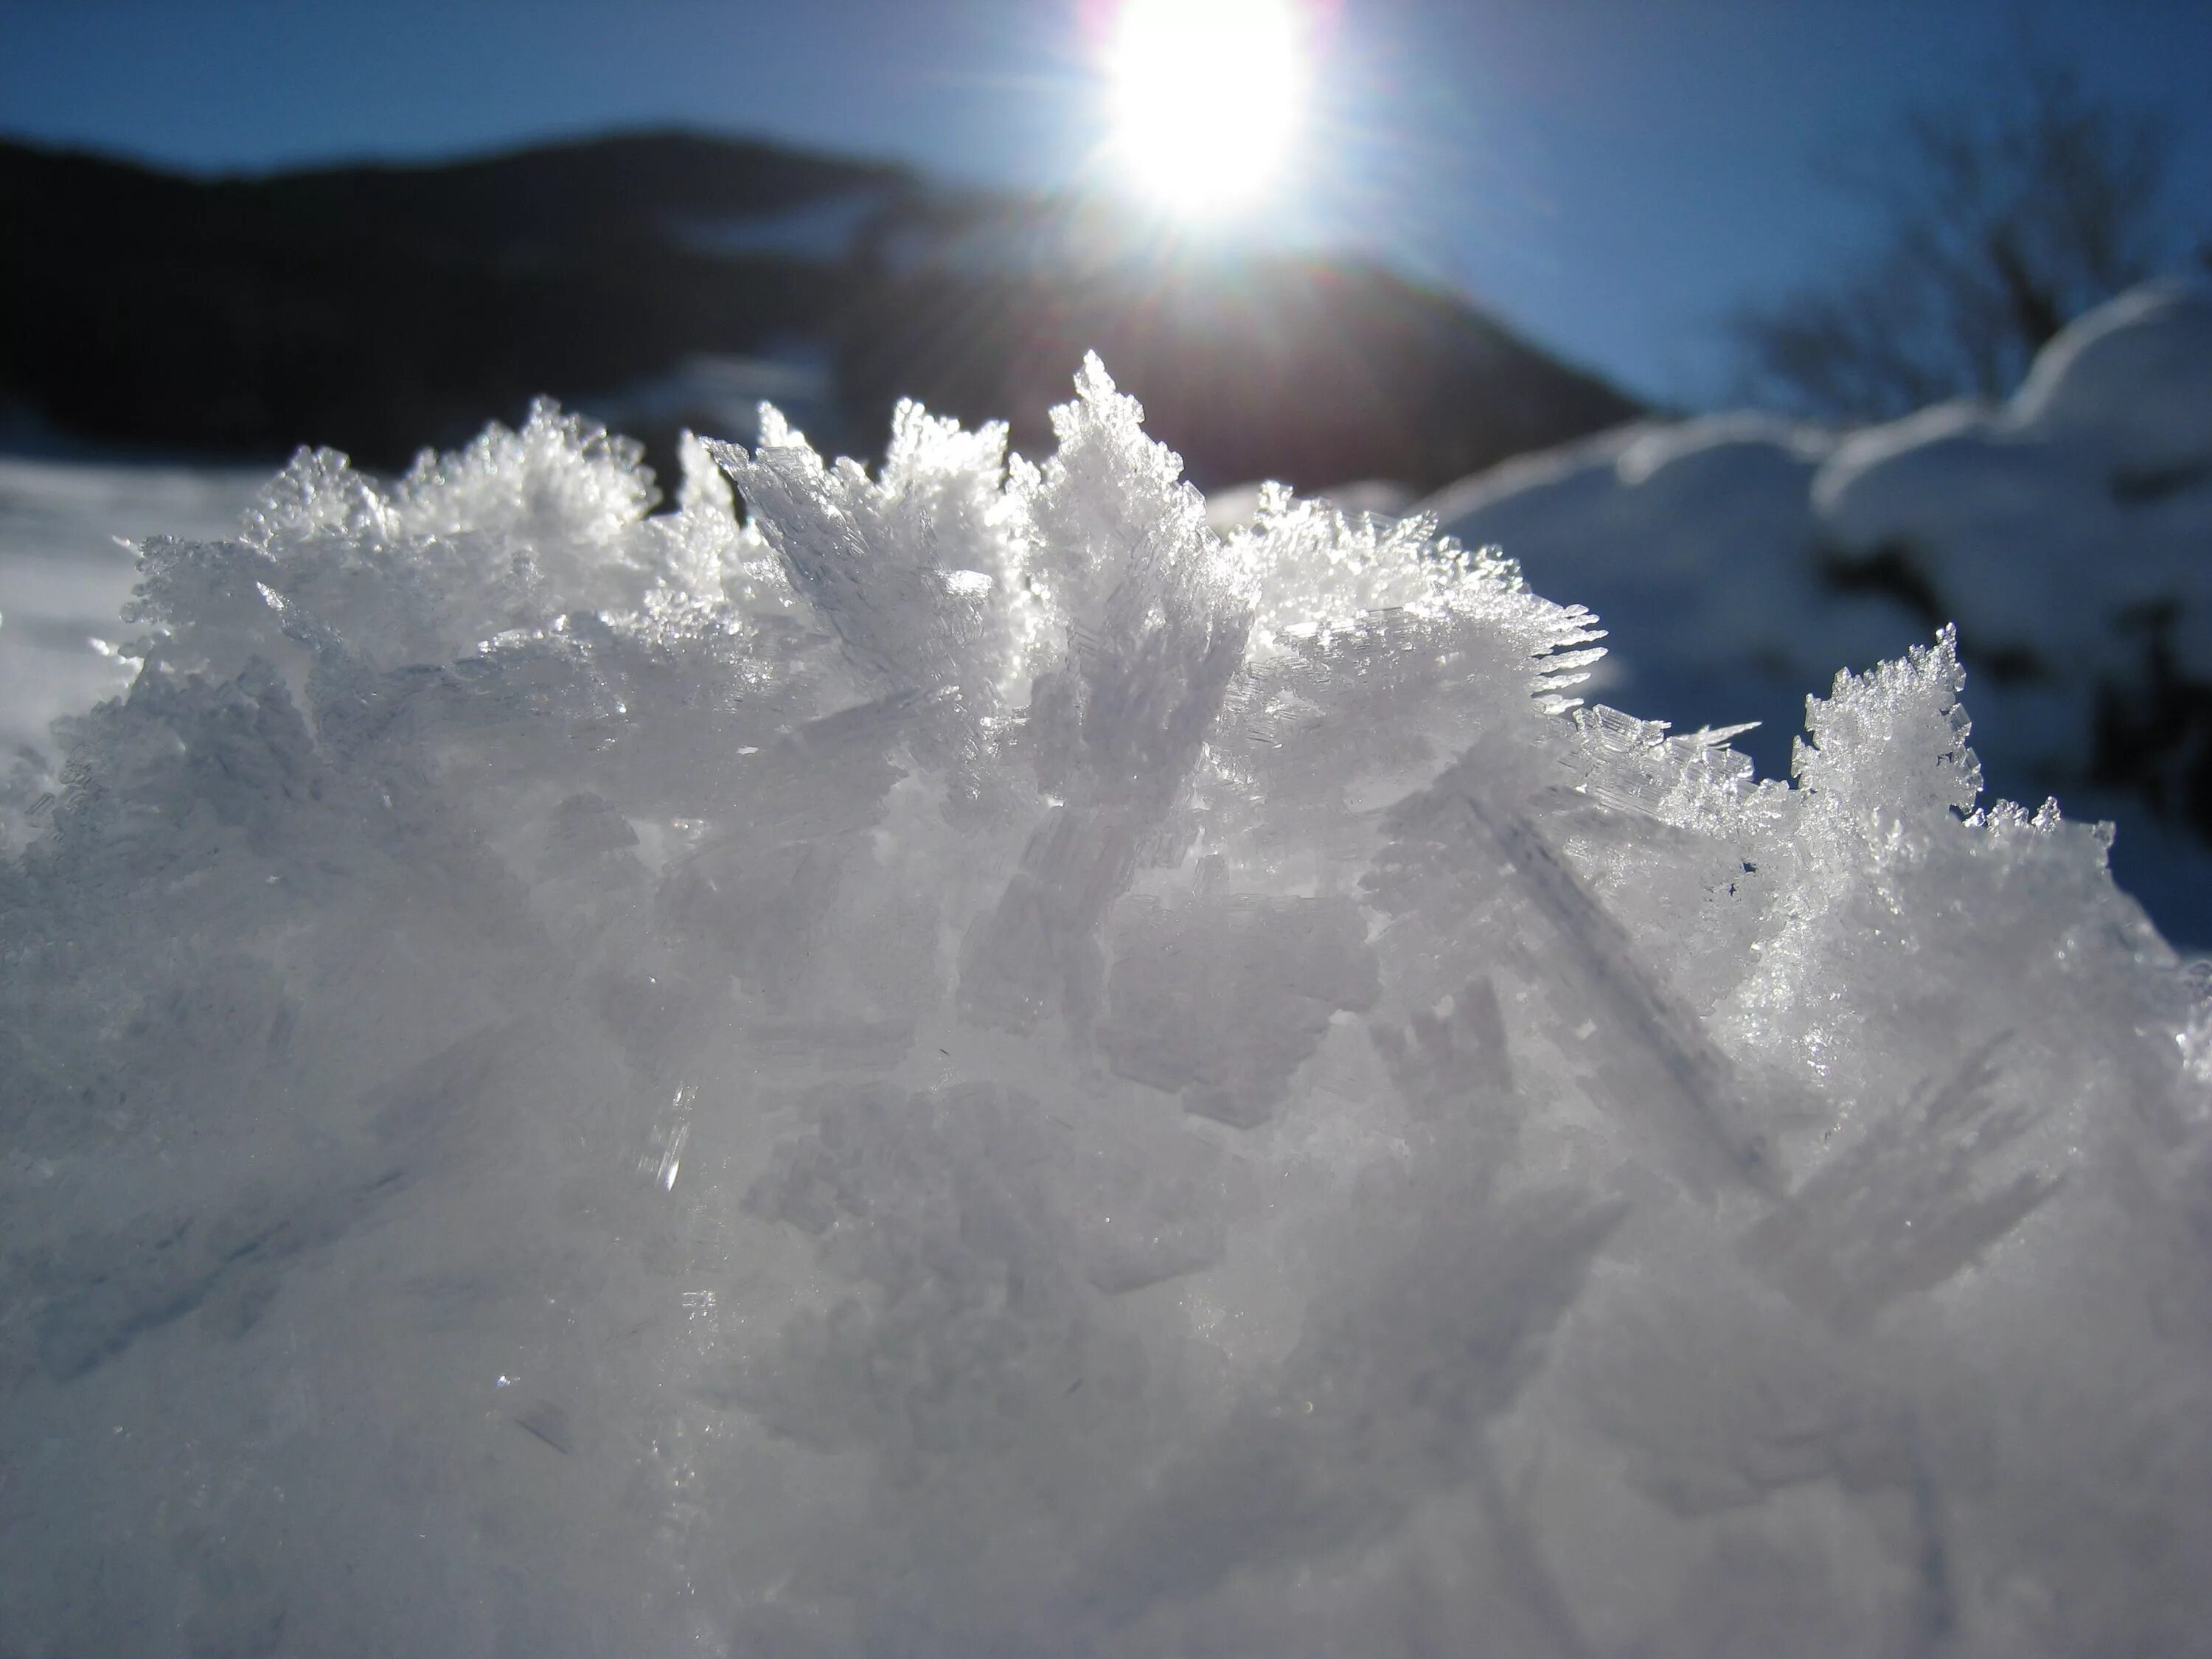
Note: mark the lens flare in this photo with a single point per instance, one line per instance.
(1206, 97)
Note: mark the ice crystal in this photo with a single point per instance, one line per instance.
(965, 1066)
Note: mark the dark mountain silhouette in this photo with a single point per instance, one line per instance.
(380, 308)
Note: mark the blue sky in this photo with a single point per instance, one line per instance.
(1610, 175)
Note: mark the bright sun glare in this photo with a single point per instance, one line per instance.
(1206, 97)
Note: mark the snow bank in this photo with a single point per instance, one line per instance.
(2066, 533)
(2127, 381)
(2052, 525)
(970, 1068)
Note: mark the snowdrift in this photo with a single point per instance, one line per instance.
(1742, 558)
(967, 1067)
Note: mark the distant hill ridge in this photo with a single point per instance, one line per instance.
(380, 307)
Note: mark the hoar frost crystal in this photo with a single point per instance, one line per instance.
(966, 1068)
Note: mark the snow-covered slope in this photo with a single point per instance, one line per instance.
(1738, 560)
(970, 1068)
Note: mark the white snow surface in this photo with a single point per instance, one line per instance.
(970, 1068)
(2067, 532)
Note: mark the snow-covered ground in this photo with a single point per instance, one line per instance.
(967, 1067)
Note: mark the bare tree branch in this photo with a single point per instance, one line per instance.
(1998, 224)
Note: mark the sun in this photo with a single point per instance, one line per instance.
(1206, 98)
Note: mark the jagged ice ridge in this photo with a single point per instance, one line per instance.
(962, 1066)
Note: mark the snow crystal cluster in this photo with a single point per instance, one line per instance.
(959, 1066)
(65, 570)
